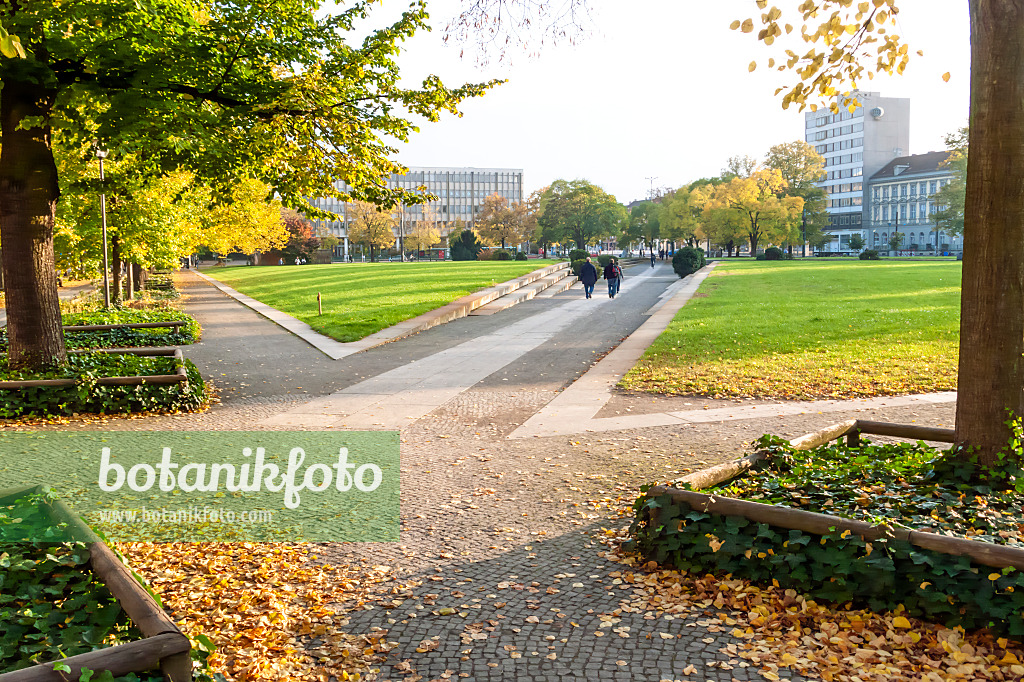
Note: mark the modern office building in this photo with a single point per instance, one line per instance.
(902, 200)
(856, 145)
(460, 193)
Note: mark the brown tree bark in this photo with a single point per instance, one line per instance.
(138, 277)
(28, 203)
(115, 267)
(991, 370)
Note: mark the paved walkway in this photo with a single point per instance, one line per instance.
(501, 549)
(64, 293)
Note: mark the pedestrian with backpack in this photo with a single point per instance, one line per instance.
(611, 275)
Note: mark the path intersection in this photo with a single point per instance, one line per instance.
(517, 461)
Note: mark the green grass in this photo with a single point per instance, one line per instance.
(811, 329)
(362, 298)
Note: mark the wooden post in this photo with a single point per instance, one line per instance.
(319, 304)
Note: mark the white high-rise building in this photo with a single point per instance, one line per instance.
(856, 145)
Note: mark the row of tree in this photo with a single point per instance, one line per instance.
(772, 202)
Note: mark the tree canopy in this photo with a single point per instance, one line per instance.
(271, 91)
(579, 211)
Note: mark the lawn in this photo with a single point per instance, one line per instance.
(362, 298)
(811, 329)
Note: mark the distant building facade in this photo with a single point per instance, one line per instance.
(856, 145)
(902, 200)
(460, 193)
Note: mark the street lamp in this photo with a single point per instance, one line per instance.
(102, 154)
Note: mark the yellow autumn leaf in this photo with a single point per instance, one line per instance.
(900, 622)
(747, 26)
(945, 77)
(734, 25)
(995, 576)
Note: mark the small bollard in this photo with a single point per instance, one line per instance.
(319, 304)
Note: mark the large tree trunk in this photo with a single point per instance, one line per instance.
(28, 203)
(991, 372)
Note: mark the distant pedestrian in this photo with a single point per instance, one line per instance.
(280, 261)
(611, 275)
(652, 258)
(588, 275)
(619, 277)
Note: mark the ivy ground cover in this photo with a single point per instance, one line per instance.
(900, 485)
(810, 330)
(88, 396)
(360, 299)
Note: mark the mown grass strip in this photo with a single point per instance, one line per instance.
(362, 298)
(810, 329)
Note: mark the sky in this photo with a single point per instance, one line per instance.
(657, 93)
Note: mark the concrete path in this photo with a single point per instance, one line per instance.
(390, 400)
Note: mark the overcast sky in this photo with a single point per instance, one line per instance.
(659, 88)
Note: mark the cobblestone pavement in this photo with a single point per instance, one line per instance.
(502, 574)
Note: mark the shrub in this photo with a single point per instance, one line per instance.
(604, 259)
(869, 254)
(687, 261)
(502, 254)
(760, 256)
(520, 255)
(577, 254)
(773, 253)
(576, 265)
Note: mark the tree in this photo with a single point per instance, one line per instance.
(856, 242)
(424, 235)
(247, 223)
(990, 376)
(270, 90)
(896, 241)
(679, 217)
(953, 195)
(768, 213)
(500, 222)
(371, 226)
(303, 240)
(644, 223)
(802, 168)
(579, 211)
(465, 246)
(739, 167)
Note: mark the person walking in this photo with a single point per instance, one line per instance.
(618, 275)
(588, 275)
(652, 258)
(611, 275)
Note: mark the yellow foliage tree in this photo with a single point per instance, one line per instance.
(767, 213)
(371, 226)
(247, 223)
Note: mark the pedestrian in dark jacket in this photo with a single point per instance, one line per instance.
(588, 275)
(611, 274)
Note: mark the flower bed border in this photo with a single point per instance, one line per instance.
(158, 379)
(163, 647)
(985, 553)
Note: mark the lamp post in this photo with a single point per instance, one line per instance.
(102, 154)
